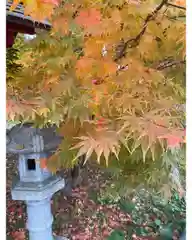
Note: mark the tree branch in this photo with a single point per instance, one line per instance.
(175, 6)
(176, 17)
(159, 66)
(133, 42)
(168, 64)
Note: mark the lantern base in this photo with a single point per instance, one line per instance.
(31, 191)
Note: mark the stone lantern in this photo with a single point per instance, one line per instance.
(35, 185)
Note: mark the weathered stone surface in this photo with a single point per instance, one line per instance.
(32, 191)
(183, 236)
(61, 238)
(20, 139)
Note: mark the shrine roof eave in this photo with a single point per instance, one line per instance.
(16, 20)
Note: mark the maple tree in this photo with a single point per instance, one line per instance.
(110, 75)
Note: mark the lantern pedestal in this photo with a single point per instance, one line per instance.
(37, 196)
(40, 220)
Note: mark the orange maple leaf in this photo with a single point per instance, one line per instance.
(88, 18)
(84, 62)
(61, 24)
(180, 3)
(83, 66)
(14, 4)
(110, 67)
(12, 108)
(54, 2)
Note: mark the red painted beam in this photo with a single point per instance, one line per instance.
(10, 38)
(11, 32)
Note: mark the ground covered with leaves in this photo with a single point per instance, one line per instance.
(91, 214)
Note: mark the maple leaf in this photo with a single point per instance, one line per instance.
(134, 2)
(43, 163)
(180, 3)
(147, 133)
(110, 67)
(72, 73)
(116, 16)
(14, 4)
(18, 235)
(88, 18)
(37, 9)
(84, 62)
(173, 141)
(84, 66)
(52, 162)
(93, 47)
(54, 2)
(61, 24)
(184, 138)
(102, 142)
(12, 109)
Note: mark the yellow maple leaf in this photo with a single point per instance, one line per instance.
(102, 142)
(61, 24)
(14, 4)
(43, 111)
(93, 47)
(37, 9)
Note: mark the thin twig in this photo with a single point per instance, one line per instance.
(135, 41)
(159, 66)
(176, 17)
(150, 17)
(165, 65)
(175, 6)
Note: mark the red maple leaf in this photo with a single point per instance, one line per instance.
(43, 163)
(88, 18)
(172, 140)
(18, 235)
